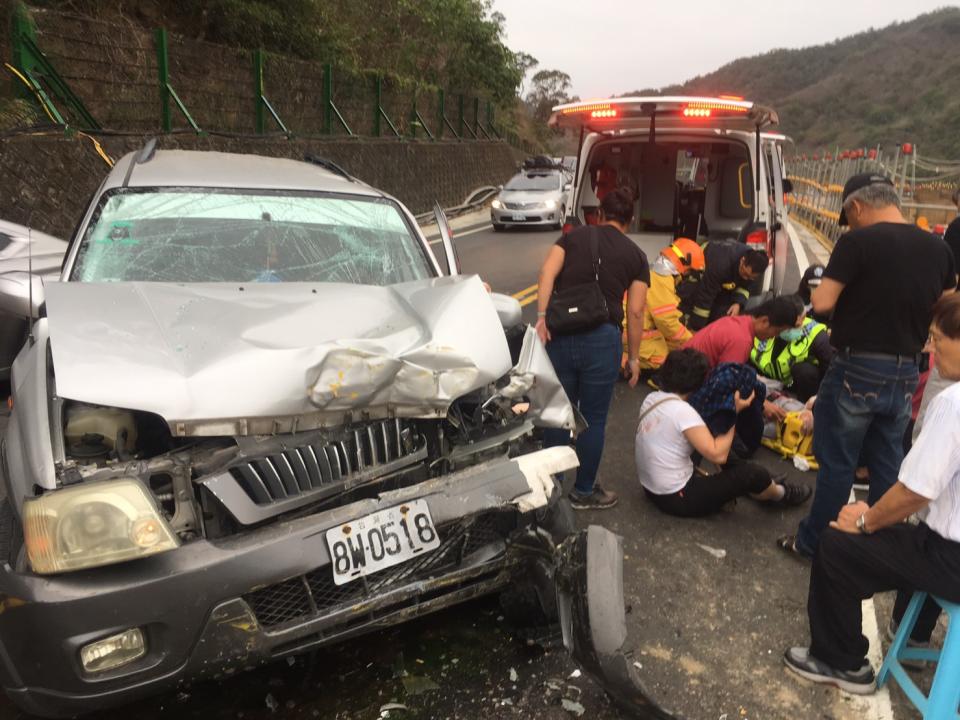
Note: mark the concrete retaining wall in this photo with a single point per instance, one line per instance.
(46, 180)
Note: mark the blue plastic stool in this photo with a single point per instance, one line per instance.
(944, 698)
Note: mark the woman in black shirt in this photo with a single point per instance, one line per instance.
(588, 362)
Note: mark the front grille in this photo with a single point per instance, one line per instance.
(298, 470)
(316, 593)
(523, 206)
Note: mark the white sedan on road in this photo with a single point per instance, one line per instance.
(531, 197)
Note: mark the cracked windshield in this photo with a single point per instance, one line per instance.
(206, 236)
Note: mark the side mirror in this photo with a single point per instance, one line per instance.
(16, 297)
(446, 237)
(787, 186)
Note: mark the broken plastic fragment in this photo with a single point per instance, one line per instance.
(576, 673)
(573, 707)
(418, 684)
(718, 553)
(386, 709)
(513, 675)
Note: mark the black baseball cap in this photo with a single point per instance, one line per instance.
(858, 182)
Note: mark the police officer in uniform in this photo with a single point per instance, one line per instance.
(798, 357)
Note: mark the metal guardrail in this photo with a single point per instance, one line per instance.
(818, 186)
(474, 201)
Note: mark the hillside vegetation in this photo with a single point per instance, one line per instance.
(897, 84)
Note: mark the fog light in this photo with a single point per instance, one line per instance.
(113, 652)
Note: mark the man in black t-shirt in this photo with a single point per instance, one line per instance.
(881, 283)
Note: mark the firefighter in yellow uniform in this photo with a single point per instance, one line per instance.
(663, 328)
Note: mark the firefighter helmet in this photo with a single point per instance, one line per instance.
(685, 254)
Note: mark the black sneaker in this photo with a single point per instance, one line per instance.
(599, 499)
(794, 494)
(858, 682)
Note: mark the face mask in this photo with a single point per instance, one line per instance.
(792, 334)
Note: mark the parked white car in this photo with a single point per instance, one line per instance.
(22, 250)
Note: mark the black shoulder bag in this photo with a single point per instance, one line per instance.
(582, 307)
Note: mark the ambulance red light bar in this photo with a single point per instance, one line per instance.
(711, 106)
(663, 111)
(580, 108)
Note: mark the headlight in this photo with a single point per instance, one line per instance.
(496, 204)
(93, 525)
(550, 204)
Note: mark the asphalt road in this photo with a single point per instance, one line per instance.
(711, 606)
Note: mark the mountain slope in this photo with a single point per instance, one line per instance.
(900, 83)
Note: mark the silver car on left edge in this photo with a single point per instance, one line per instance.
(254, 416)
(534, 196)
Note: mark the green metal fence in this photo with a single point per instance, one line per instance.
(89, 75)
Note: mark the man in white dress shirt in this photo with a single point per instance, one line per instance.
(869, 549)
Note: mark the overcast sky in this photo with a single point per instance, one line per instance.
(614, 46)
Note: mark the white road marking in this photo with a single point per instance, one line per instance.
(462, 234)
(798, 250)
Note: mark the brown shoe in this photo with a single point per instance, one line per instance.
(599, 499)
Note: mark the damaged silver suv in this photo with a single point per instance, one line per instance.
(255, 416)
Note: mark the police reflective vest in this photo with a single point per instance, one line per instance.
(799, 350)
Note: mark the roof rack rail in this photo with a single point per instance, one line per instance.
(541, 162)
(147, 152)
(328, 165)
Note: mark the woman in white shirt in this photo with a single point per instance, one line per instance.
(670, 430)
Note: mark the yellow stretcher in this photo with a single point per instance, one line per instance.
(792, 441)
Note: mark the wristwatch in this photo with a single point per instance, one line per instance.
(862, 524)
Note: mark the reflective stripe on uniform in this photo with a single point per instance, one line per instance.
(663, 309)
(647, 334)
(700, 312)
(743, 291)
(779, 368)
(680, 333)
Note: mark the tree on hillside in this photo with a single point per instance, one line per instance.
(547, 88)
(525, 63)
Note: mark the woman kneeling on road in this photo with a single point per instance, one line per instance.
(670, 430)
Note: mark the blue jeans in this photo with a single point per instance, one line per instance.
(861, 412)
(587, 365)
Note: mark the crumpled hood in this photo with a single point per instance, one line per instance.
(202, 352)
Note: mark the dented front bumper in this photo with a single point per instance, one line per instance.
(206, 609)
(215, 609)
(592, 617)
